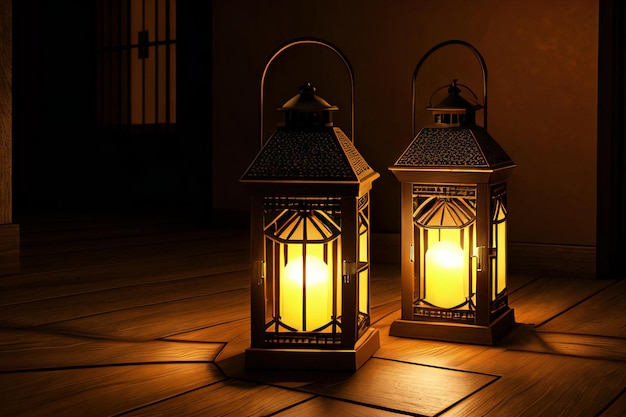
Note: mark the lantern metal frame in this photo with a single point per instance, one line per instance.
(336, 211)
(479, 194)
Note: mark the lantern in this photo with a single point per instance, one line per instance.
(310, 234)
(454, 215)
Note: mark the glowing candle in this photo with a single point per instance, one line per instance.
(446, 285)
(318, 310)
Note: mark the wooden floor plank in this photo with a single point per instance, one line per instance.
(379, 312)
(543, 385)
(112, 236)
(121, 319)
(602, 315)
(63, 232)
(385, 287)
(616, 408)
(80, 281)
(101, 234)
(28, 350)
(91, 303)
(518, 280)
(547, 297)
(116, 237)
(576, 386)
(99, 391)
(433, 353)
(235, 335)
(124, 252)
(229, 398)
(529, 339)
(385, 282)
(160, 320)
(403, 387)
(384, 384)
(321, 406)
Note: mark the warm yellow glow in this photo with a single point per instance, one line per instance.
(363, 246)
(446, 254)
(364, 291)
(318, 290)
(446, 284)
(316, 270)
(501, 256)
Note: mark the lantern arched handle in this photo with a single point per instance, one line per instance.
(310, 41)
(428, 54)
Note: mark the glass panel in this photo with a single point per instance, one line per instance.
(364, 291)
(136, 19)
(162, 84)
(501, 249)
(499, 239)
(302, 220)
(494, 275)
(446, 269)
(149, 86)
(471, 243)
(149, 19)
(304, 268)
(123, 99)
(443, 205)
(445, 250)
(339, 280)
(306, 296)
(136, 88)
(363, 238)
(271, 248)
(172, 83)
(172, 16)
(161, 19)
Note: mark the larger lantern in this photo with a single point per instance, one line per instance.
(310, 236)
(454, 214)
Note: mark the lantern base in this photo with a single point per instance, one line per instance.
(315, 359)
(454, 332)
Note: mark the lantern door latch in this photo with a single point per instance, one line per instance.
(261, 273)
(347, 270)
(483, 255)
(480, 257)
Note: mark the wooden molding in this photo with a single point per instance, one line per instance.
(552, 259)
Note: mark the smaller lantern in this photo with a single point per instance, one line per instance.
(310, 244)
(453, 219)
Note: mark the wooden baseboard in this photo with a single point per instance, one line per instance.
(9, 249)
(531, 258)
(556, 260)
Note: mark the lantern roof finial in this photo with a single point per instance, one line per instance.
(307, 100)
(454, 100)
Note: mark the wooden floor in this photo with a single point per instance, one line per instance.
(111, 317)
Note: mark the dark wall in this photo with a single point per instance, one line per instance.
(611, 194)
(61, 161)
(53, 81)
(542, 63)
